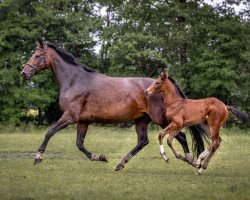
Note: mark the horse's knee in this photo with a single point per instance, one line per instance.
(79, 145)
(143, 142)
(216, 144)
(160, 136)
(48, 135)
(169, 141)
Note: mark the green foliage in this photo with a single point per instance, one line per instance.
(205, 48)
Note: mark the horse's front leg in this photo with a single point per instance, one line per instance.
(173, 129)
(63, 122)
(141, 125)
(171, 136)
(81, 133)
(160, 138)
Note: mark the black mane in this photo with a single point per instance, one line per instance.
(68, 57)
(178, 88)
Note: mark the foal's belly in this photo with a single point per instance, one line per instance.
(194, 112)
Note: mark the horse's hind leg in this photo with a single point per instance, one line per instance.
(214, 146)
(141, 125)
(63, 122)
(81, 133)
(216, 119)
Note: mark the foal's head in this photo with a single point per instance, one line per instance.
(157, 86)
(39, 61)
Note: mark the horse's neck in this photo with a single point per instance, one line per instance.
(170, 94)
(65, 74)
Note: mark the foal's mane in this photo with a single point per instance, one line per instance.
(178, 88)
(68, 57)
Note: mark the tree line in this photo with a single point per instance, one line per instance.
(205, 48)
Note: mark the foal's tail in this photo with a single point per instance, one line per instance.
(240, 115)
(200, 136)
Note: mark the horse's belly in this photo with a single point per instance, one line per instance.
(112, 113)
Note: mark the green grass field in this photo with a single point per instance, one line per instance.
(66, 173)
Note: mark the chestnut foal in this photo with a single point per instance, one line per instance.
(187, 112)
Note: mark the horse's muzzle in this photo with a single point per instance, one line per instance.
(25, 75)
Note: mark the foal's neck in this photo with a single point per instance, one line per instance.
(170, 93)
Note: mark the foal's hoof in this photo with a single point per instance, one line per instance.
(119, 167)
(37, 161)
(197, 174)
(103, 158)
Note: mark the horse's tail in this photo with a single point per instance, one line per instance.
(240, 115)
(200, 136)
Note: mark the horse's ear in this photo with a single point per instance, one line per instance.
(167, 75)
(163, 76)
(39, 44)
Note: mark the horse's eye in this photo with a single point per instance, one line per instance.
(37, 56)
(157, 83)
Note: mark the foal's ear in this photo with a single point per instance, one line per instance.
(163, 76)
(39, 44)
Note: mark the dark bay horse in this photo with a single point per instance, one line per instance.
(87, 96)
(187, 112)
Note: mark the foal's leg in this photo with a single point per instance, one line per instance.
(171, 136)
(160, 138)
(81, 133)
(201, 157)
(215, 121)
(173, 128)
(63, 122)
(141, 125)
(181, 137)
(213, 147)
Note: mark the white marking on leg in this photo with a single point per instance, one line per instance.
(202, 156)
(38, 155)
(163, 154)
(200, 170)
(162, 149)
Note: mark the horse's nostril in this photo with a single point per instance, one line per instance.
(23, 75)
(146, 93)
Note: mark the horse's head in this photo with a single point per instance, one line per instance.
(38, 62)
(156, 86)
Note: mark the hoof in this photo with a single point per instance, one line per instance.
(197, 174)
(37, 161)
(166, 160)
(119, 167)
(103, 158)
